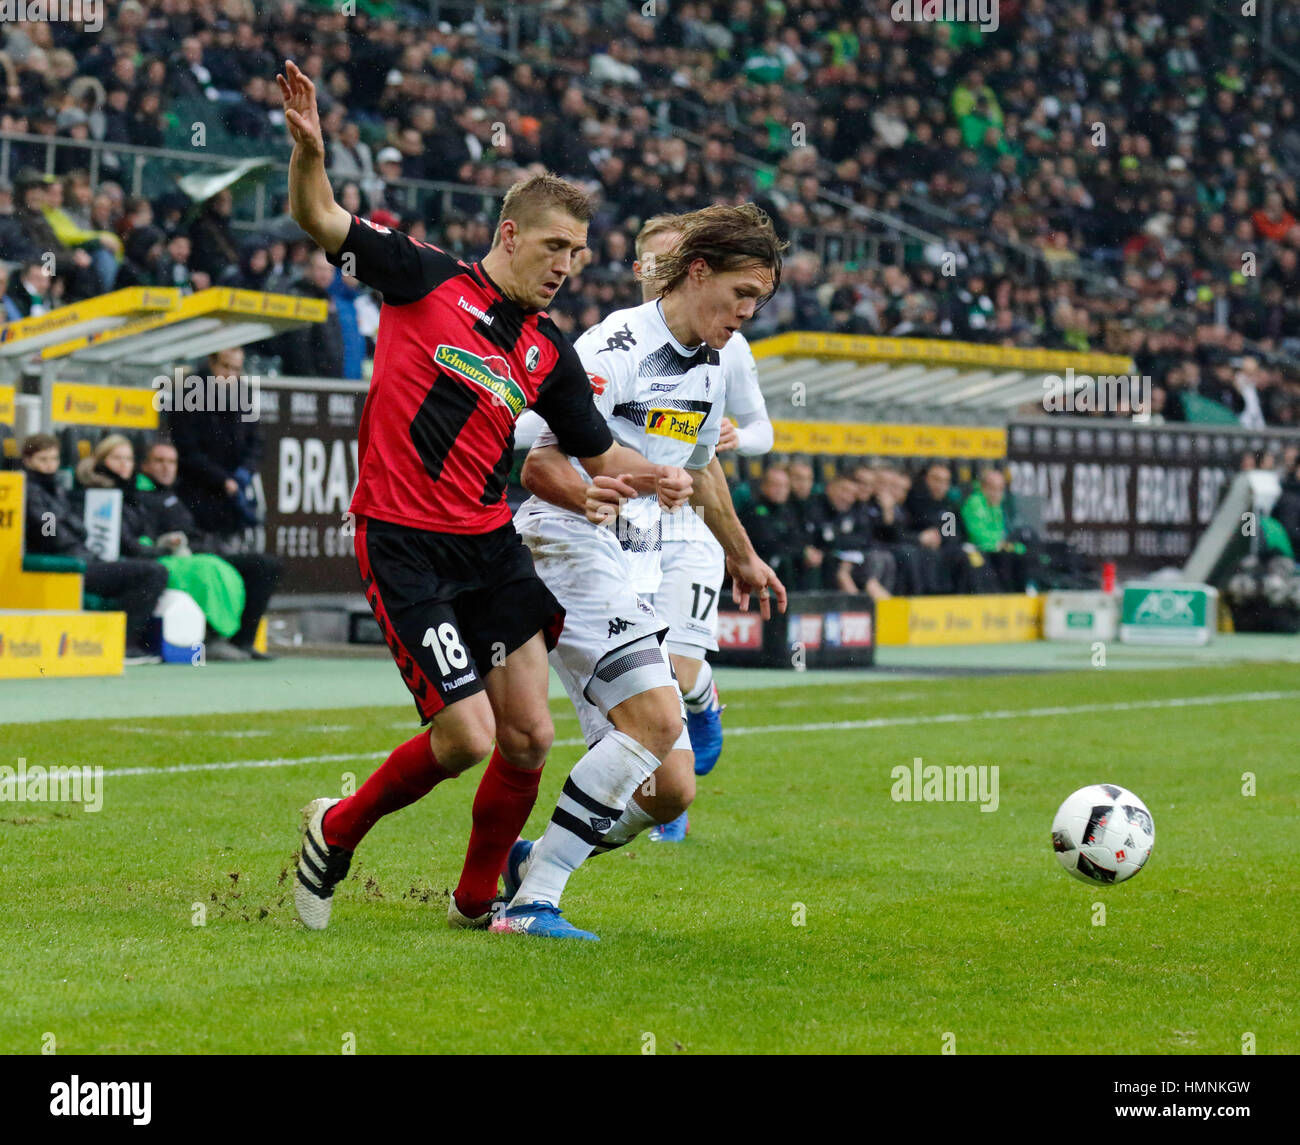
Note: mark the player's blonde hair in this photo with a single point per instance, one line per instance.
(658, 225)
(529, 199)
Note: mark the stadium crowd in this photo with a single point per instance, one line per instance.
(1143, 146)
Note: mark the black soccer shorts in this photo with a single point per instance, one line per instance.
(452, 606)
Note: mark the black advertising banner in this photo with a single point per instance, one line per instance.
(1138, 495)
(817, 630)
(309, 471)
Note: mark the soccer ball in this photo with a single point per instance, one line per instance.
(1103, 834)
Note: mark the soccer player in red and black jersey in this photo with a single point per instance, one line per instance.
(463, 349)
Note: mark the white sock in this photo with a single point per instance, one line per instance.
(594, 797)
(631, 823)
(700, 697)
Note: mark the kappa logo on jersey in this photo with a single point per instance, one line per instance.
(619, 340)
(665, 387)
(531, 359)
(598, 383)
(618, 624)
(491, 373)
(383, 230)
(681, 425)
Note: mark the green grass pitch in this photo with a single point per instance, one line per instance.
(919, 920)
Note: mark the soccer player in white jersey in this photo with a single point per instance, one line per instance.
(657, 377)
(692, 561)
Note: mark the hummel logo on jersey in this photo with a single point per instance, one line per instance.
(482, 316)
(531, 359)
(620, 340)
(600, 826)
(618, 624)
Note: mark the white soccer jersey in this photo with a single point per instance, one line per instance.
(744, 403)
(661, 398)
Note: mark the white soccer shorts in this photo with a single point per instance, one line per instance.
(610, 649)
(687, 598)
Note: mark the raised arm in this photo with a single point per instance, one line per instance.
(311, 200)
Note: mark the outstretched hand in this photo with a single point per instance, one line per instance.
(300, 110)
(753, 575)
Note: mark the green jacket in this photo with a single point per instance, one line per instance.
(985, 524)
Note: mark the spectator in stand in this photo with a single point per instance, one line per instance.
(146, 262)
(803, 492)
(213, 243)
(350, 157)
(211, 582)
(935, 528)
(985, 523)
(220, 452)
(881, 493)
(177, 268)
(53, 527)
(31, 292)
(773, 526)
(168, 514)
(1274, 222)
(316, 351)
(74, 265)
(838, 530)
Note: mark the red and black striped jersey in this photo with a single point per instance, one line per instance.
(456, 362)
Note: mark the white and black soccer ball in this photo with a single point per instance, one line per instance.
(1103, 834)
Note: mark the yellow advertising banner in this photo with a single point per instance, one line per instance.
(23, 590)
(122, 407)
(849, 439)
(959, 620)
(8, 404)
(801, 344)
(116, 304)
(44, 644)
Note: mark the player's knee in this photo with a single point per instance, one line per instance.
(674, 795)
(461, 747)
(659, 728)
(526, 744)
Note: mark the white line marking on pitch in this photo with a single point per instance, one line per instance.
(839, 725)
(230, 734)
